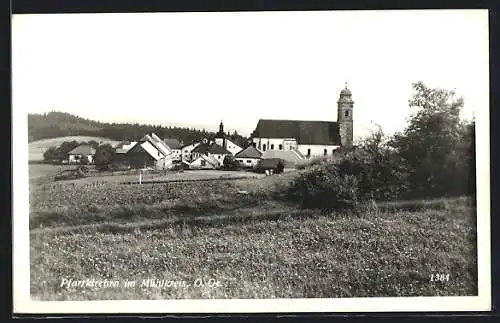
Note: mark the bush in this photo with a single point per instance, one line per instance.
(230, 163)
(325, 187)
(310, 162)
(381, 175)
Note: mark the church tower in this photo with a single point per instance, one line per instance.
(221, 130)
(344, 117)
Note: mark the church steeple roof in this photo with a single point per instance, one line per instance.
(345, 91)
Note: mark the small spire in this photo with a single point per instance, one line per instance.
(346, 84)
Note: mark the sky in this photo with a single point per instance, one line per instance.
(197, 69)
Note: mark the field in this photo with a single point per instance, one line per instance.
(46, 172)
(254, 245)
(38, 147)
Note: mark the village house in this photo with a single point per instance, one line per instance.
(212, 150)
(204, 162)
(310, 138)
(176, 147)
(84, 153)
(249, 157)
(150, 152)
(186, 151)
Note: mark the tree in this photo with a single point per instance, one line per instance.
(430, 145)
(93, 143)
(230, 163)
(51, 154)
(103, 156)
(66, 147)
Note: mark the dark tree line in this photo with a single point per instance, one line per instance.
(60, 124)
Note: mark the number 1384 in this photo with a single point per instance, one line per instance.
(440, 277)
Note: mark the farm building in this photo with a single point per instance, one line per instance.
(311, 138)
(213, 150)
(149, 152)
(249, 157)
(120, 158)
(176, 147)
(82, 154)
(204, 162)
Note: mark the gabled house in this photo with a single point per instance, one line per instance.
(82, 154)
(212, 150)
(249, 157)
(150, 152)
(176, 147)
(186, 151)
(204, 162)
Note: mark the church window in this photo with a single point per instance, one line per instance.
(203, 163)
(249, 161)
(309, 152)
(324, 152)
(333, 152)
(264, 147)
(280, 147)
(346, 113)
(272, 146)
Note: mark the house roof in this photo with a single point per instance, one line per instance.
(82, 150)
(124, 146)
(289, 156)
(204, 148)
(172, 143)
(154, 140)
(217, 149)
(195, 143)
(249, 152)
(305, 132)
(210, 160)
(151, 150)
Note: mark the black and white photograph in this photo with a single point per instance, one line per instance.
(280, 161)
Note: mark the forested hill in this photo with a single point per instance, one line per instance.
(60, 124)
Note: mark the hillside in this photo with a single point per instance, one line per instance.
(61, 124)
(38, 147)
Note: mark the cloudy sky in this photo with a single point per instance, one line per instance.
(196, 69)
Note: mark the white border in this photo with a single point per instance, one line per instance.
(21, 277)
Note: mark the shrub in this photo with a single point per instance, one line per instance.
(381, 174)
(230, 163)
(310, 162)
(324, 187)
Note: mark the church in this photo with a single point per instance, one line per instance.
(310, 138)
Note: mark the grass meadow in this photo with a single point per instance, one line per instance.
(253, 245)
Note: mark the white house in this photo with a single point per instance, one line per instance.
(249, 157)
(186, 151)
(82, 154)
(310, 138)
(175, 146)
(204, 162)
(212, 150)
